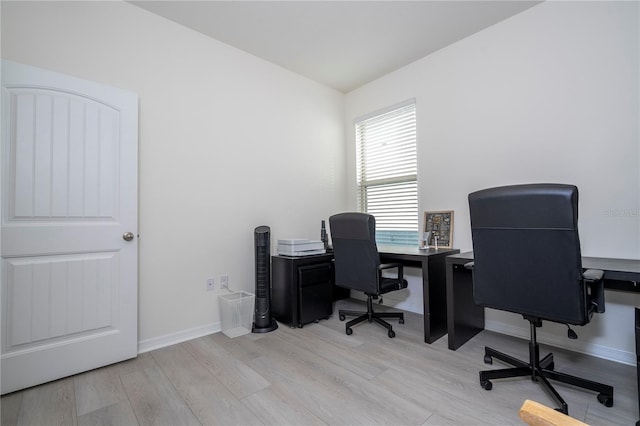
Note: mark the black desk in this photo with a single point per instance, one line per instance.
(289, 281)
(465, 319)
(432, 263)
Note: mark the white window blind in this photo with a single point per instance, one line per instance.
(387, 173)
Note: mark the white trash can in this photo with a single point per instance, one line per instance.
(236, 313)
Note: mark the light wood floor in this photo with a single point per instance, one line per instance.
(316, 375)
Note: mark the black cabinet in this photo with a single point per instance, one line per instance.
(301, 288)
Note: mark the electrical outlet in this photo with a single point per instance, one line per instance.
(224, 281)
(210, 284)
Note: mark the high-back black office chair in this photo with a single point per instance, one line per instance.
(527, 260)
(358, 267)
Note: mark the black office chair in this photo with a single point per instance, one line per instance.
(527, 260)
(358, 267)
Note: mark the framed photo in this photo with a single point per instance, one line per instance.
(440, 226)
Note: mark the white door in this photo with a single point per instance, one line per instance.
(69, 195)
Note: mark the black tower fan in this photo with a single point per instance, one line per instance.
(263, 323)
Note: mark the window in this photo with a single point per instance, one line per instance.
(387, 173)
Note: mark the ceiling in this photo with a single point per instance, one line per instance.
(341, 44)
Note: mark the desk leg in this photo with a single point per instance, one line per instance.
(434, 295)
(465, 319)
(426, 306)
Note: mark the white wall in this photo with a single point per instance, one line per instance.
(549, 95)
(228, 142)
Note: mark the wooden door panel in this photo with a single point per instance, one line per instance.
(54, 297)
(65, 157)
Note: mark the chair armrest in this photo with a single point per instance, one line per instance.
(400, 266)
(593, 275)
(593, 279)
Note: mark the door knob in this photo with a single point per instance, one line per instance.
(127, 236)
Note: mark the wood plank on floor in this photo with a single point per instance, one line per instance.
(210, 400)
(236, 375)
(50, 404)
(10, 408)
(97, 389)
(119, 413)
(154, 399)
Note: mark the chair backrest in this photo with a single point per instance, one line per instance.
(526, 249)
(354, 248)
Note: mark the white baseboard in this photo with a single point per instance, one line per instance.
(178, 337)
(599, 351)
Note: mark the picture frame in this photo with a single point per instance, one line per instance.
(440, 226)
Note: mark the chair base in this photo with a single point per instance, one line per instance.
(370, 316)
(541, 370)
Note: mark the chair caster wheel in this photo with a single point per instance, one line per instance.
(349, 331)
(342, 317)
(401, 321)
(391, 334)
(486, 384)
(605, 400)
(488, 359)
